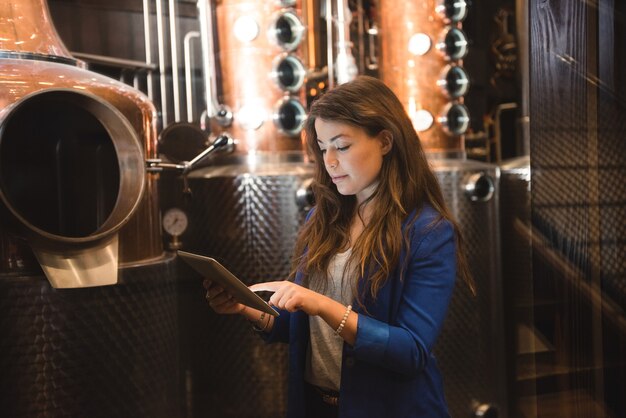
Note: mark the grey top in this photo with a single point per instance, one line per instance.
(323, 366)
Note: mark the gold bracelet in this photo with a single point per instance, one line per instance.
(343, 320)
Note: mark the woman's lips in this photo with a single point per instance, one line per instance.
(337, 179)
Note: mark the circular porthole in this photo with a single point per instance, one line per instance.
(288, 72)
(479, 187)
(455, 119)
(452, 11)
(454, 81)
(453, 44)
(286, 30)
(289, 116)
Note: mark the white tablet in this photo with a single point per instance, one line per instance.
(209, 268)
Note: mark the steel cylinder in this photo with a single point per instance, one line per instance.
(470, 348)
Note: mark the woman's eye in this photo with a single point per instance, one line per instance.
(343, 148)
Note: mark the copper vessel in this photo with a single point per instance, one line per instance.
(263, 73)
(417, 66)
(78, 141)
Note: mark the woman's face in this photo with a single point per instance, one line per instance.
(352, 158)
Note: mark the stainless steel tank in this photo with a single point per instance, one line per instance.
(470, 349)
(246, 213)
(78, 212)
(243, 208)
(517, 268)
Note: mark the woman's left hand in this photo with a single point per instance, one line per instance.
(292, 297)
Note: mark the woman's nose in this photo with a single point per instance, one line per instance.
(330, 160)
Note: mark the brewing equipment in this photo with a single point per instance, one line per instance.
(470, 348)
(422, 48)
(79, 212)
(244, 208)
(246, 214)
(43, 86)
(261, 73)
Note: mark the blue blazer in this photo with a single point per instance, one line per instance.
(390, 371)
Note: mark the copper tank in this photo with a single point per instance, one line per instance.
(422, 46)
(73, 144)
(263, 72)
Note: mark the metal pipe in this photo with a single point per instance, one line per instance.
(148, 46)
(310, 10)
(174, 52)
(498, 127)
(223, 142)
(522, 24)
(162, 75)
(208, 67)
(329, 44)
(188, 81)
(115, 62)
(361, 34)
(346, 65)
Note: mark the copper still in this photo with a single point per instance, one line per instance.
(76, 202)
(259, 56)
(73, 145)
(422, 47)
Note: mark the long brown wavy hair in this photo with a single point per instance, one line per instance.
(406, 183)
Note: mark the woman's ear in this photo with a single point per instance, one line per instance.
(386, 141)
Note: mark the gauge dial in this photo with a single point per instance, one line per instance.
(175, 222)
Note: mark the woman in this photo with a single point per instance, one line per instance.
(374, 267)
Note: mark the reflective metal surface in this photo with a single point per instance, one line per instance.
(245, 213)
(470, 348)
(108, 351)
(36, 77)
(452, 10)
(414, 52)
(453, 44)
(26, 27)
(261, 72)
(454, 81)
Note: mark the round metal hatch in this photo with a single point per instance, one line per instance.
(71, 167)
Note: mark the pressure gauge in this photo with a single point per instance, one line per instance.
(175, 222)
